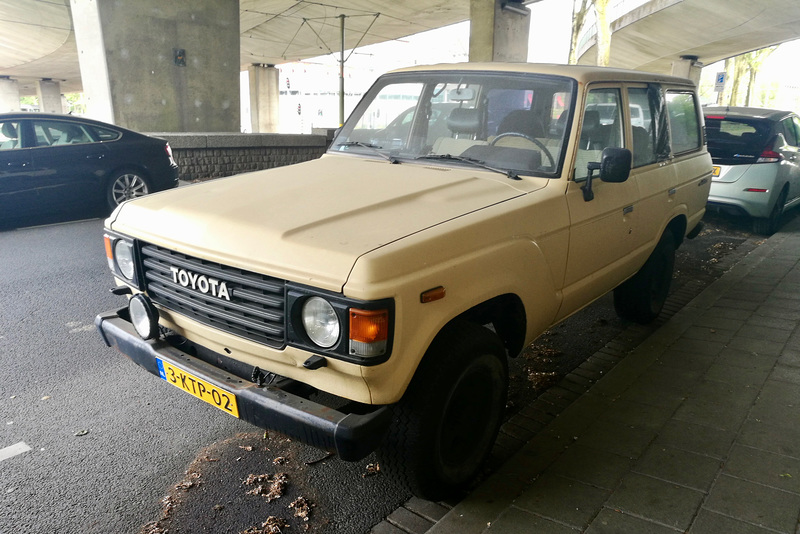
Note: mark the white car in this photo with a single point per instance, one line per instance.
(755, 156)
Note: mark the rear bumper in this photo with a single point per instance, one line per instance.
(352, 436)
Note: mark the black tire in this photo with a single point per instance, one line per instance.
(444, 427)
(641, 298)
(770, 225)
(126, 184)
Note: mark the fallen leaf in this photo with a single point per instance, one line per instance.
(271, 487)
(272, 525)
(302, 508)
(372, 469)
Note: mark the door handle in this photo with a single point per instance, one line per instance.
(15, 164)
(95, 156)
(627, 209)
(703, 181)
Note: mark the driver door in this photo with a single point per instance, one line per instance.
(603, 229)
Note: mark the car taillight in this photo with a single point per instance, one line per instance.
(769, 156)
(168, 149)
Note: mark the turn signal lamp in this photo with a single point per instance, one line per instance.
(109, 251)
(369, 332)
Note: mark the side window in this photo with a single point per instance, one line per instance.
(56, 133)
(9, 135)
(643, 127)
(796, 122)
(104, 134)
(601, 128)
(684, 126)
(789, 132)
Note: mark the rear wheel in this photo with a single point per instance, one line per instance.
(770, 225)
(446, 424)
(641, 298)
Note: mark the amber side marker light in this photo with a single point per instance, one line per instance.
(431, 295)
(369, 332)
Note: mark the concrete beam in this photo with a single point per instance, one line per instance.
(9, 94)
(264, 91)
(688, 67)
(498, 31)
(152, 65)
(49, 93)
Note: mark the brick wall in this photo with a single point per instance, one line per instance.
(207, 156)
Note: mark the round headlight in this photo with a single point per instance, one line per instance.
(123, 253)
(144, 316)
(321, 322)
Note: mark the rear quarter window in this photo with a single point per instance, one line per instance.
(684, 122)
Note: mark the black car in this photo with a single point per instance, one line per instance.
(52, 163)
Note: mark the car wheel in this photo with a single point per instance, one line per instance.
(446, 424)
(641, 298)
(125, 185)
(769, 225)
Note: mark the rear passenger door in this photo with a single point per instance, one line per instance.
(604, 230)
(791, 155)
(652, 159)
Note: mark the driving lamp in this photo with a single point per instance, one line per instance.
(144, 316)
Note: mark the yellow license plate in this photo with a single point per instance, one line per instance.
(201, 389)
(715, 171)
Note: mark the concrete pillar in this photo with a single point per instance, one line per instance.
(9, 94)
(159, 66)
(688, 67)
(49, 93)
(498, 30)
(264, 91)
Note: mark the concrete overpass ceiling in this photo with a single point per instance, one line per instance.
(37, 39)
(277, 31)
(659, 32)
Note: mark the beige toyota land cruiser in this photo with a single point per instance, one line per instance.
(368, 300)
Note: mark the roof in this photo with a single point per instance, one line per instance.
(581, 73)
(746, 112)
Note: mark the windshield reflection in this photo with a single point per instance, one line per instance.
(512, 123)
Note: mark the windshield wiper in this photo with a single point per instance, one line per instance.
(472, 161)
(374, 148)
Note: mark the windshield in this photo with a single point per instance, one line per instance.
(512, 123)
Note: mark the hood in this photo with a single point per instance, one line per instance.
(310, 222)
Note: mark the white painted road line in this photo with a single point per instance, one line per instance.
(14, 450)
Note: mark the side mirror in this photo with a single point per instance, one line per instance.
(614, 167)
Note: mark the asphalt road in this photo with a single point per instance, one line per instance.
(91, 443)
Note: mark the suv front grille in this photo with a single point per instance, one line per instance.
(256, 307)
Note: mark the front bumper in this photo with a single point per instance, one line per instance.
(352, 436)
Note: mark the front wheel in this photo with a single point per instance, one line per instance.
(641, 298)
(444, 427)
(125, 185)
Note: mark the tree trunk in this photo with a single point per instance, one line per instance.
(603, 33)
(578, 19)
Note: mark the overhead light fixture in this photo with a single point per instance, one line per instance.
(515, 7)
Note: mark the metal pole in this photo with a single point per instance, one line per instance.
(341, 76)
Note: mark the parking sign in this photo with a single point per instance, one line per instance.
(719, 84)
